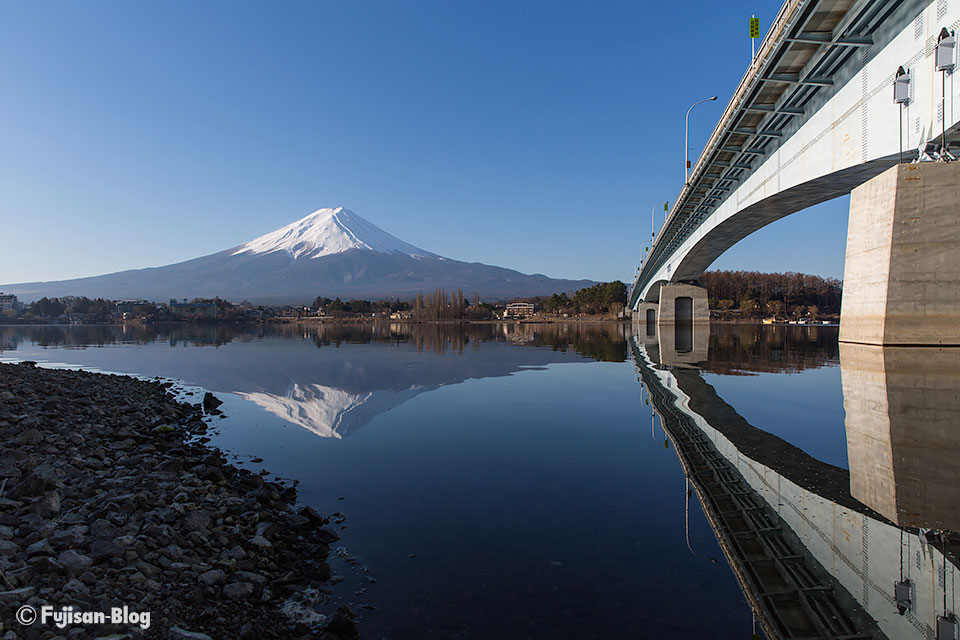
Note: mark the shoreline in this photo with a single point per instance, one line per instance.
(383, 321)
(108, 499)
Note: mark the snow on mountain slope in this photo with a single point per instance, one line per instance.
(329, 412)
(326, 232)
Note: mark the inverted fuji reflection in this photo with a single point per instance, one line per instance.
(329, 412)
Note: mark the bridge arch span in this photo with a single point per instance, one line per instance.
(719, 234)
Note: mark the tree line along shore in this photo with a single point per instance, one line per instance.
(733, 296)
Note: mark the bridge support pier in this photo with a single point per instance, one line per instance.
(902, 273)
(683, 304)
(646, 313)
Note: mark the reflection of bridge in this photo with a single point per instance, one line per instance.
(811, 120)
(812, 560)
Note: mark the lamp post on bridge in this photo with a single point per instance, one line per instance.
(686, 140)
(653, 227)
(653, 232)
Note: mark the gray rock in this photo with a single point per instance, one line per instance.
(210, 402)
(17, 595)
(176, 633)
(147, 569)
(125, 541)
(327, 535)
(260, 542)
(47, 506)
(74, 535)
(212, 577)
(249, 576)
(236, 553)
(30, 436)
(5, 532)
(74, 562)
(102, 528)
(41, 479)
(9, 471)
(197, 520)
(238, 590)
(104, 550)
(8, 549)
(75, 586)
(40, 548)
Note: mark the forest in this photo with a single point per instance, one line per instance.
(606, 297)
(751, 294)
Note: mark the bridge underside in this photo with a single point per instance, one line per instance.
(714, 241)
(736, 228)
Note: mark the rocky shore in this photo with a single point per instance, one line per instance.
(107, 501)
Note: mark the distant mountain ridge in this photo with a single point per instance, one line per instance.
(332, 252)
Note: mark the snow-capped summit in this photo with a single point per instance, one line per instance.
(326, 232)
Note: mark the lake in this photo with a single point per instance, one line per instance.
(592, 480)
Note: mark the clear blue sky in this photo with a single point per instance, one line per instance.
(532, 135)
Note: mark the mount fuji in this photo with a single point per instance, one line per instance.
(331, 252)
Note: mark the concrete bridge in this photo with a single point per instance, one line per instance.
(818, 550)
(814, 118)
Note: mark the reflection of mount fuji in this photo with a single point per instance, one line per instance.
(328, 379)
(341, 387)
(330, 412)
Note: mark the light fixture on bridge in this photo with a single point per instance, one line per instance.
(901, 86)
(943, 58)
(947, 627)
(903, 594)
(901, 96)
(946, 44)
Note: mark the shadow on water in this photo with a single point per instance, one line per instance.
(820, 551)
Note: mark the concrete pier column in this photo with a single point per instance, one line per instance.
(683, 304)
(902, 408)
(646, 313)
(901, 283)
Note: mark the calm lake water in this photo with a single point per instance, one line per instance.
(588, 481)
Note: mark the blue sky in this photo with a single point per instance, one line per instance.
(532, 135)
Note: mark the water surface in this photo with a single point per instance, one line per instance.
(508, 481)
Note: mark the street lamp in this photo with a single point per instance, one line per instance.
(686, 138)
(653, 233)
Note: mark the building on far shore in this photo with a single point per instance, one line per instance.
(8, 302)
(132, 306)
(518, 309)
(185, 308)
